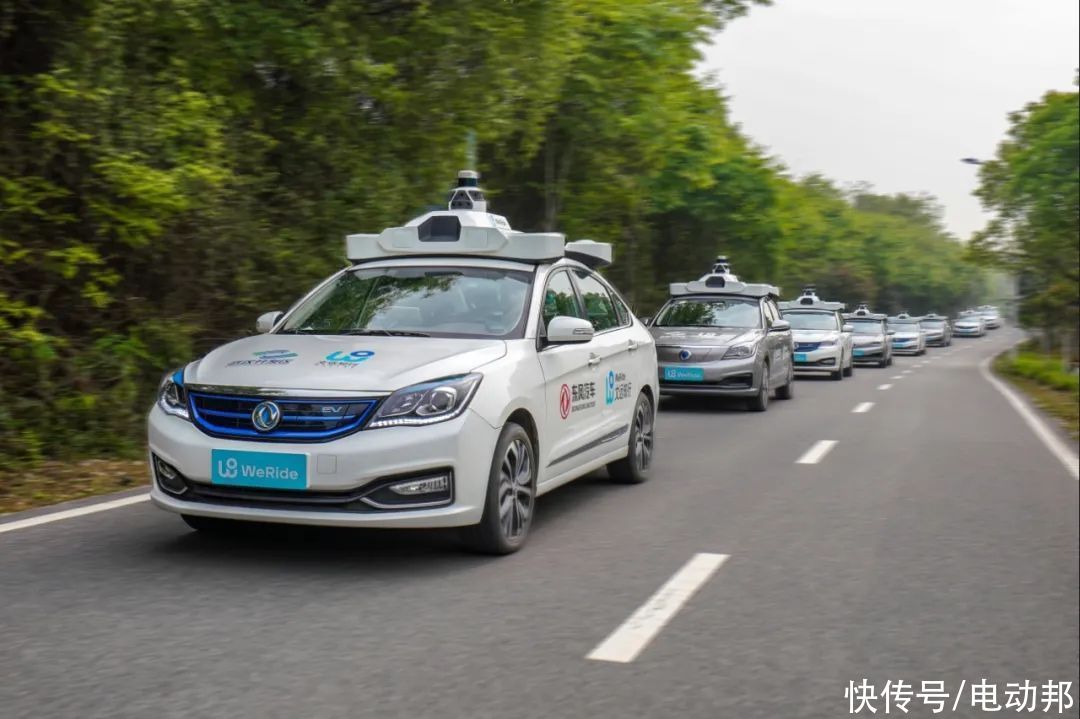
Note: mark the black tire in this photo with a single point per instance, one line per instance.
(837, 375)
(636, 467)
(850, 369)
(788, 390)
(211, 525)
(760, 402)
(883, 362)
(498, 533)
(889, 363)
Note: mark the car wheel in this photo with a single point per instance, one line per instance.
(883, 362)
(511, 496)
(635, 467)
(850, 369)
(210, 525)
(837, 375)
(760, 403)
(889, 363)
(788, 390)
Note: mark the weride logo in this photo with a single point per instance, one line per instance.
(266, 357)
(346, 360)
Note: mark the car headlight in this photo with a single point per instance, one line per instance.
(427, 403)
(172, 397)
(739, 352)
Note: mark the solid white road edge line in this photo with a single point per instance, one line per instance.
(632, 636)
(69, 513)
(1053, 443)
(884, 386)
(816, 452)
(862, 407)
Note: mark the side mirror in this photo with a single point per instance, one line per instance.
(847, 328)
(780, 326)
(647, 321)
(890, 332)
(563, 330)
(266, 322)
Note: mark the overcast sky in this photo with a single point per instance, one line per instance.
(894, 92)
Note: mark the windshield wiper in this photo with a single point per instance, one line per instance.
(385, 333)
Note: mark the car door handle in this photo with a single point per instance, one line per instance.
(631, 346)
(593, 360)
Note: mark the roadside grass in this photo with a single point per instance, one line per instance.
(1042, 378)
(52, 482)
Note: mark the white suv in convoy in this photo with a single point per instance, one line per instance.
(455, 372)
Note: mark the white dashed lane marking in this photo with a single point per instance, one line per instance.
(862, 407)
(632, 636)
(884, 386)
(817, 452)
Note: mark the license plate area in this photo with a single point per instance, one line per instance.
(800, 357)
(266, 470)
(684, 374)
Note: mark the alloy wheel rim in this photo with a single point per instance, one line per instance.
(516, 490)
(643, 436)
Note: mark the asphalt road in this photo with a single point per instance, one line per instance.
(936, 540)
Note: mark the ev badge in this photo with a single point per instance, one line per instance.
(265, 416)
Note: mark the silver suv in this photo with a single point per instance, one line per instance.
(722, 337)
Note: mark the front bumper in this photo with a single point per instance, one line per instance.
(823, 359)
(936, 340)
(464, 446)
(722, 378)
(966, 332)
(869, 353)
(911, 347)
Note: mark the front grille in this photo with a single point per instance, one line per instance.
(302, 420)
(806, 346)
(736, 381)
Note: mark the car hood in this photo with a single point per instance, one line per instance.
(702, 336)
(814, 335)
(907, 335)
(969, 324)
(325, 362)
(869, 339)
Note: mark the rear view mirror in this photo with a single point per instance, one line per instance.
(780, 326)
(266, 322)
(569, 330)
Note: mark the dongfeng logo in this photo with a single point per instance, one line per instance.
(265, 416)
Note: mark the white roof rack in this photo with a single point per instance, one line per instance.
(718, 284)
(468, 229)
(810, 301)
(864, 313)
(589, 253)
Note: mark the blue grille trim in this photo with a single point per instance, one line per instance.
(806, 346)
(235, 422)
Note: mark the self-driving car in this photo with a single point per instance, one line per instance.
(453, 373)
(908, 337)
(969, 324)
(823, 341)
(991, 315)
(722, 337)
(937, 329)
(871, 337)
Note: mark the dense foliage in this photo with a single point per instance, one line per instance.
(171, 168)
(1033, 187)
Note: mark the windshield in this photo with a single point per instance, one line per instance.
(933, 324)
(471, 302)
(904, 326)
(812, 321)
(734, 312)
(862, 327)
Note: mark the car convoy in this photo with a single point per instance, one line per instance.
(458, 369)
